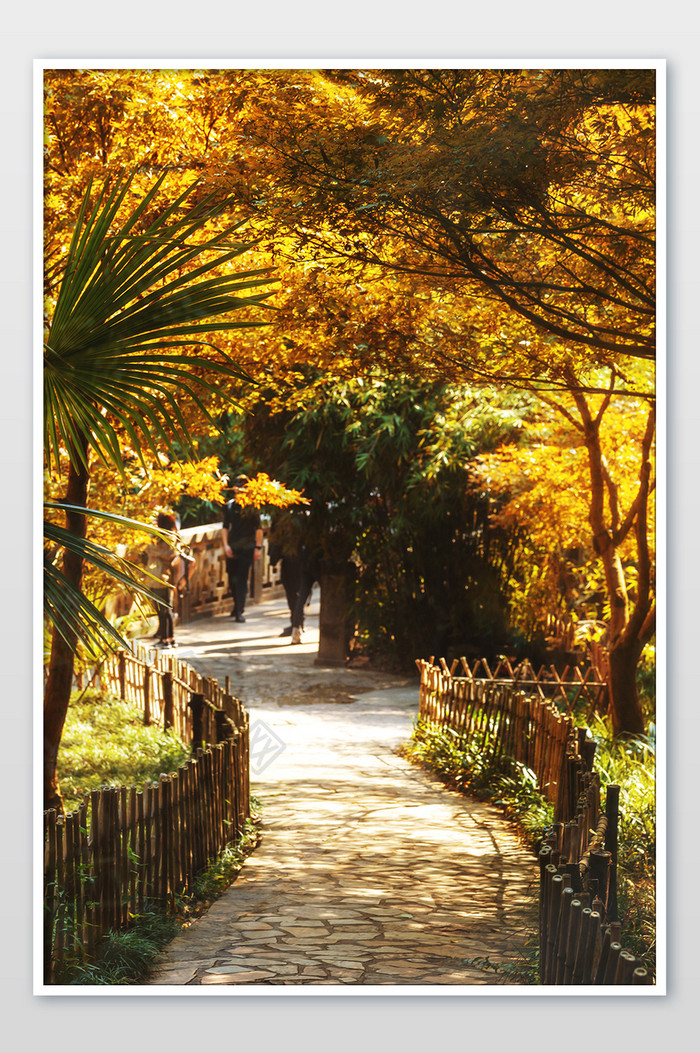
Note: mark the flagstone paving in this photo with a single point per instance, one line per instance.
(369, 872)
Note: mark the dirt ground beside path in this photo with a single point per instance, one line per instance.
(369, 872)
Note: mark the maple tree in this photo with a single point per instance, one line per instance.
(520, 203)
(492, 225)
(544, 478)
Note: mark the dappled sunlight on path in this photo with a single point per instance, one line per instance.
(369, 871)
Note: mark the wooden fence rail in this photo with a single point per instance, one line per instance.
(567, 686)
(125, 847)
(579, 929)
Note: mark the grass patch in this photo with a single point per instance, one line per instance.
(105, 743)
(630, 763)
(123, 957)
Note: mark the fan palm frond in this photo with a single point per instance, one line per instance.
(135, 292)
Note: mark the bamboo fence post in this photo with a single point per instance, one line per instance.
(626, 964)
(572, 939)
(237, 762)
(196, 705)
(557, 886)
(593, 946)
(114, 858)
(147, 695)
(71, 850)
(82, 872)
(579, 963)
(209, 802)
(223, 725)
(567, 896)
(133, 851)
(217, 798)
(97, 910)
(600, 872)
(122, 832)
(611, 963)
(612, 807)
(198, 812)
(177, 852)
(168, 701)
(121, 659)
(165, 823)
(142, 874)
(59, 941)
(547, 872)
(157, 811)
(608, 938)
(50, 890)
(154, 838)
(187, 784)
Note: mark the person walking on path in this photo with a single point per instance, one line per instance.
(290, 572)
(164, 564)
(241, 536)
(310, 573)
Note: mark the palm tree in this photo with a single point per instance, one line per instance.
(135, 293)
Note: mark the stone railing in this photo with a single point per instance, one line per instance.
(207, 590)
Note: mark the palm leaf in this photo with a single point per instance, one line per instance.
(133, 291)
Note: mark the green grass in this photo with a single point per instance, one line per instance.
(105, 743)
(123, 957)
(630, 763)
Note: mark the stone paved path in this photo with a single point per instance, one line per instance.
(369, 871)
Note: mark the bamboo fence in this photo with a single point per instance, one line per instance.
(124, 847)
(579, 929)
(567, 686)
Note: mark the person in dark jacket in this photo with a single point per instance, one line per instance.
(310, 573)
(241, 536)
(285, 548)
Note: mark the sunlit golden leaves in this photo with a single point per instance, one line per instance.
(264, 492)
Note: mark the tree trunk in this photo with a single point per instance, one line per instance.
(627, 632)
(626, 710)
(332, 644)
(59, 683)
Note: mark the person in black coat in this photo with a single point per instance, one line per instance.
(309, 574)
(241, 536)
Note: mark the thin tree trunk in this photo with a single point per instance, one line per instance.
(62, 660)
(625, 639)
